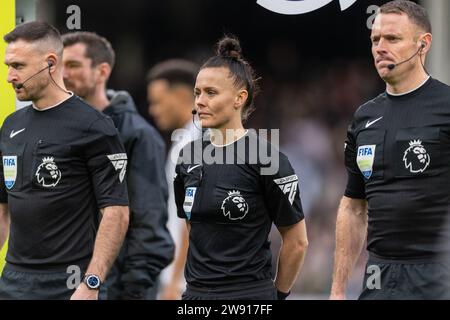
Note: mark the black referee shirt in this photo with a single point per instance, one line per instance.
(231, 208)
(398, 158)
(59, 166)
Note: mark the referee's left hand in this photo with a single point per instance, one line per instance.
(84, 293)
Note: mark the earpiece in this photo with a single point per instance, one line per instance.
(50, 63)
(392, 66)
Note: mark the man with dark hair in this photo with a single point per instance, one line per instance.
(148, 247)
(62, 164)
(416, 14)
(170, 87)
(397, 155)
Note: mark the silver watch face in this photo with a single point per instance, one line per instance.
(92, 281)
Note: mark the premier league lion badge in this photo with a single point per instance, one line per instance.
(234, 206)
(48, 174)
(416, 158)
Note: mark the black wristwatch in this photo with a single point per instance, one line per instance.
(92, 281)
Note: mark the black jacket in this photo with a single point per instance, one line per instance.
(148, 247)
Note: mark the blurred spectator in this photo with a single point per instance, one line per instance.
(170, 93)
(148, 247)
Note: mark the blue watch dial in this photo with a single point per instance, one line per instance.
(92, 281)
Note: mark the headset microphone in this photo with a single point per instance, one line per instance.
(392, 66)
(21, 85)
(194, 112)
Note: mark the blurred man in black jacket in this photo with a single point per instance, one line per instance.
(148, 247)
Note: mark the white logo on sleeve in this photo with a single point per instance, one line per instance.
(416, 158)
(48, 174)
(15, 133)
(119, 161)
(288, 185)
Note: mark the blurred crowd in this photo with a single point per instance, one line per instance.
(312, 113)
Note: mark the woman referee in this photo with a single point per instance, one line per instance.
(230, 205)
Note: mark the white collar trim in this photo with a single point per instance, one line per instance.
(50, 107)
(408, 92)
(229, 143)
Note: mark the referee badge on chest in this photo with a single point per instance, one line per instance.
(47, 173)
(10, 170)
(189, 201)
(416, 157)
(234, 207)
(364, 159)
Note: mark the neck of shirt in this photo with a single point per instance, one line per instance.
(55, 105)
(231, 142)
(410, 91)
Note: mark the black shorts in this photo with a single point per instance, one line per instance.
(406, 279)
(261, 290)
(17, 283)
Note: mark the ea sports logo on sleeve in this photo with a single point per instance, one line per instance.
(300, 6)
(289, 186)
(119, 161)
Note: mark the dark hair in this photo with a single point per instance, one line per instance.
(35, 31)
(229, 55)
(416, 13)
(98, 49)
(174, 71)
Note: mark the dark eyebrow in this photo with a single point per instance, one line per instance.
(206, 88)
(73, 61)
(392, 35)
(15, 64)
(387, 35)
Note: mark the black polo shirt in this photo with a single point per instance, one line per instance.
(398, 158)
(231, 208)
(59, 167)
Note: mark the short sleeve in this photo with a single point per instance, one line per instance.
(282, 194)
(3, 193)
(355, 184)
(107, 163)
(178, 186)
(189, 171)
